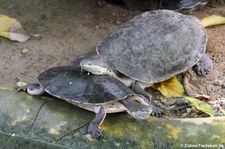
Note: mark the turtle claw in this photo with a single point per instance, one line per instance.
(141, 115)
(21, 88)
(156, 111)
(202, 71)
(95, 132)
(204, 66)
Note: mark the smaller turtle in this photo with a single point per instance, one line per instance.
(100, 94)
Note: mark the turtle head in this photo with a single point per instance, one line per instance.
(94, 65)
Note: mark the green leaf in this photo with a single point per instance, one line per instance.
(170, 88)
(200, 105)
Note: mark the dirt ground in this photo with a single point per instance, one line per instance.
(67, 29)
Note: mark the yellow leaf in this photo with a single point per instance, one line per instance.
(170, 88)
(21, 84)
(5, 25)
(212, 20)
(12, 29)
(200, 105)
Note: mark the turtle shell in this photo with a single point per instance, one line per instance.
(72, 85)
(154, 46)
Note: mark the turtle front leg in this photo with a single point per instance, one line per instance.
(94, 129)
(204, 66)
(31, 88)
(137, 110)
(138, 90)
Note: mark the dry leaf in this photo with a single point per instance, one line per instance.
(21, 84)
(212, 20)
(193, 86)
(170, 88)
(200, 105)
(12, 29)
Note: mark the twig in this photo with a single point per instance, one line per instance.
(35, 117)
(66, 134)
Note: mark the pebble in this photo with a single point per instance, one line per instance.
(219, 114)
(184, 115)
(222, 102)
(25, 51)
(183, 110)
(218, 83)
(180, 102)
(189, 110)
(118, 22)
(223, 85)
(196, 115)
(97, 27)
(193, 114)
(172, 107)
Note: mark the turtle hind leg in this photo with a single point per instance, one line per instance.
(204, 66)
(94, 129)
(137, 89)
(31, 88)
(156, 111)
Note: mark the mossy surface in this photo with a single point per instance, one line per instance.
(43, 122)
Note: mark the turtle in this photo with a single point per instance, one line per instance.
(150, 48)
(100, 94)
(184, 6)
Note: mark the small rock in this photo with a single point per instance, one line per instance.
(193, 114)
(172, 107)
(181, 101)
(189, 110)
(184, 115)
(25, 51)
(97, 27)
(183, 110)
(218, 83)
(118, 22)
(219, 114)
(196, 116)
(222, 102)
(223, 85)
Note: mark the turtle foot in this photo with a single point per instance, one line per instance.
(21, 86)
(156, 111)
(95, 132)
(142, 114)
(201, 70)
(204, 66)
(94, 129)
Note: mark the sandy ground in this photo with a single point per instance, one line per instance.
(67, 29)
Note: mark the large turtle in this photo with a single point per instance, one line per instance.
(100, 94)
(151, 48)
